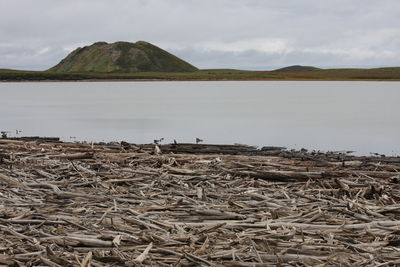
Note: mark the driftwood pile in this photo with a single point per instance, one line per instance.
(100, 205)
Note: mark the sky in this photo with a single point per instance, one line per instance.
(238, 34)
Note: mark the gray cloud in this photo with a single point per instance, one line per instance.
(243, 34)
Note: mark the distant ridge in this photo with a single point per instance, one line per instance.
(298, 68)
(122, 57)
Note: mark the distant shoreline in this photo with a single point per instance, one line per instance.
(204, 80)
(212, 148)
(378, 74)
(221, 149)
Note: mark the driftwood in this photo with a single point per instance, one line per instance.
(35, 138)
(65, 204)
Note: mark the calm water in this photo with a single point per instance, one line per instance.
(360, 116)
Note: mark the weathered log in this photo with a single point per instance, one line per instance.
(11, 181)
(86, 155)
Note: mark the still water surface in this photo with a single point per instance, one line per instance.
(359, 116)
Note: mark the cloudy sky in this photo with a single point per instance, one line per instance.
(242, 34)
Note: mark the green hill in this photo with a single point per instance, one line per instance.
(297, 68)
(121, 57)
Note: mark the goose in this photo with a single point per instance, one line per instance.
(198, 140)
(158, 141)
(3, 134)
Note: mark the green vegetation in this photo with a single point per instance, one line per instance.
(298, 68)
(121, 57)
(144, 61)
(322, 74)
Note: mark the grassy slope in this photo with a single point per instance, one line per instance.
(328, 74)
(122, 57)
(298, 68)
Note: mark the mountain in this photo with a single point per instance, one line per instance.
(122, 57)
(298, 68)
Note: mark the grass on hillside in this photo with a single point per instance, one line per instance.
(122, 57)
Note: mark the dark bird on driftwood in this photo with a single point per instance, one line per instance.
(3, 134)
(158, 141)
(175, 143)
(198, 140)
(125, 145)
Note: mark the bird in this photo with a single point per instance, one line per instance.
(125, 145)
(4, 134)
(198, 140)
(175, 143)
(17, 132)
(158, 141)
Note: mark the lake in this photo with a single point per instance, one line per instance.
(321, 115)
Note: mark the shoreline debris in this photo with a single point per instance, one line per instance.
(81, 204)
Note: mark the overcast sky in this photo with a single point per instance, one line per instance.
(242, 34)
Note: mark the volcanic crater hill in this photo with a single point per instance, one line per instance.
(122, 57)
